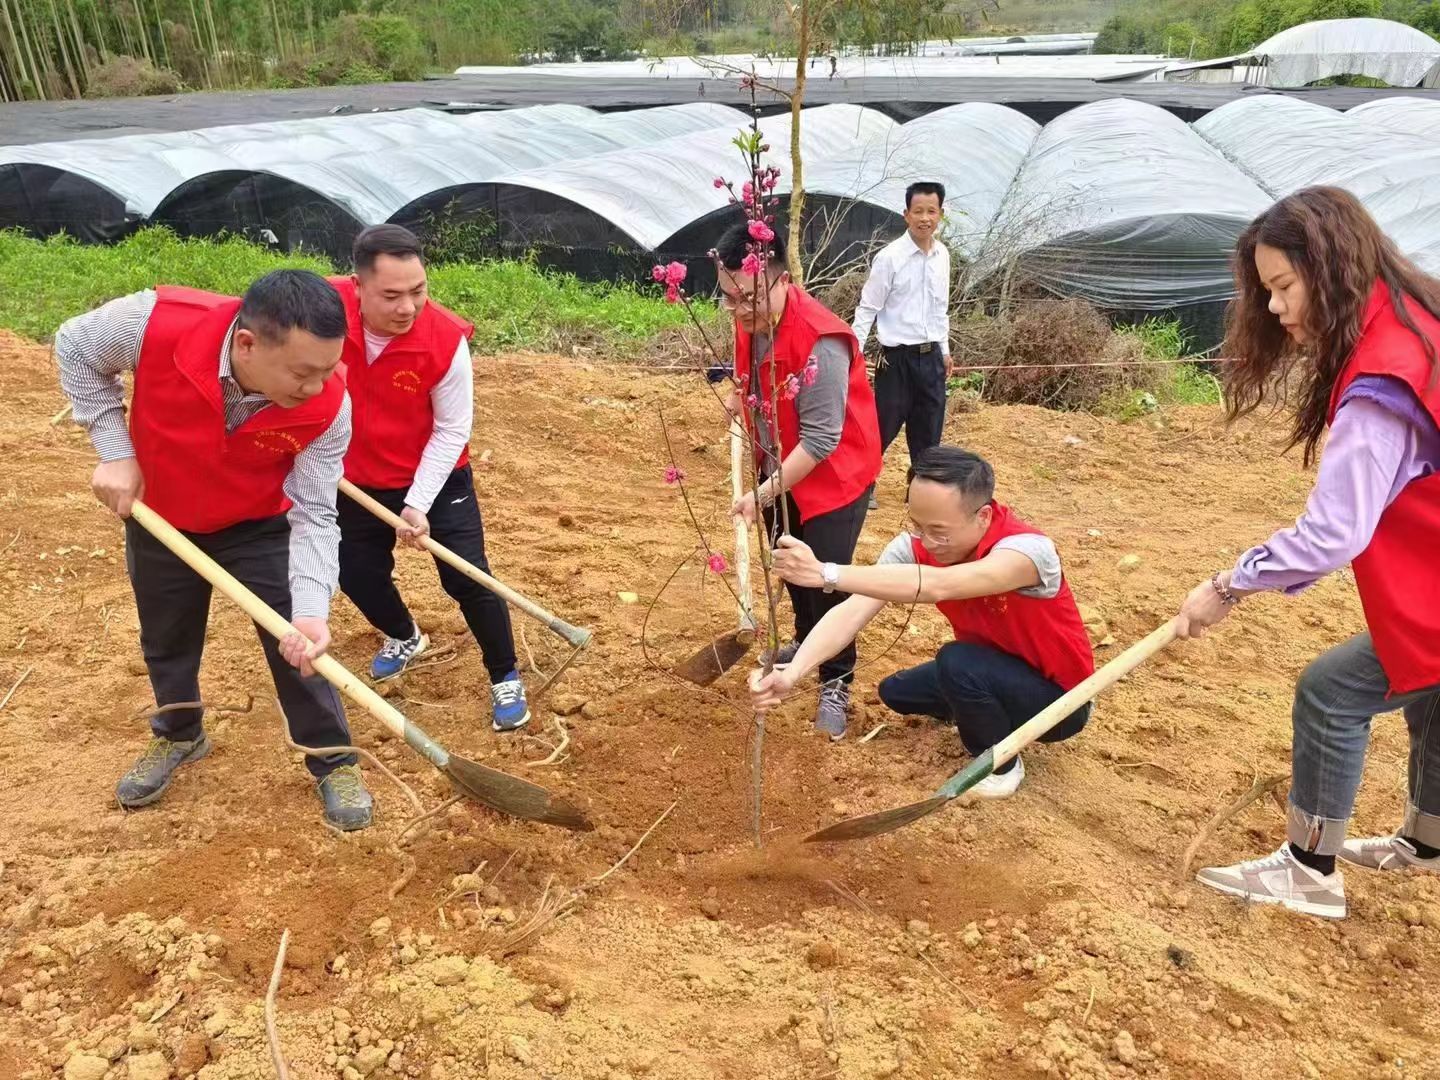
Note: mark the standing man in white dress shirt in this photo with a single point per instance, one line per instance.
(907, 300)
(407, 367)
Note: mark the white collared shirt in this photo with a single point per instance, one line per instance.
(907, 296)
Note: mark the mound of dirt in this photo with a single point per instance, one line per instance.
(1046, 935)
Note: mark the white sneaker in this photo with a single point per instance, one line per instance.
(1000, 785)
(1280, 879)
(1386, 853)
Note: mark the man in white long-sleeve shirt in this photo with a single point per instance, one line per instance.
(407, 367)
(236, 436)
(907, 300)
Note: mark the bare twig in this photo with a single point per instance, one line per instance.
(529, 656)
(949, 981)
(23, 676)
(12, 542)
(61, 414)
(558, 754)
(177, 706)
(643, 837)
(272, 1034)
(874, 731)
(1257, 790)
(1089, 1005)
(164, 1011)
(330, 751)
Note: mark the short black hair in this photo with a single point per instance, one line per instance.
(730, 251)
(377, 240)
(285, 300)
(967, 473)
(924, 187)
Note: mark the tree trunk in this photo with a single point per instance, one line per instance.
(79, 36)
(64, 50)
(279, 44)
(18, 72)
(164, 52)
(144, 37)
(37, 73)
(797, 166)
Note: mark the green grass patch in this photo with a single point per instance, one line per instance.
(1171, 381)
(514, 304)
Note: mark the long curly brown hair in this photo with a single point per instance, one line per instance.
(1340, 253)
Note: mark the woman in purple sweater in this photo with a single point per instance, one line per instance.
(1325, 299)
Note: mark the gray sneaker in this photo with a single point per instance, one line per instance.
(1280, 879)
(832, 716)
(784, 656)
(153, 770)
(348, 805)
(1386, 853)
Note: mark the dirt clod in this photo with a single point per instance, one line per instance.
(821, 955)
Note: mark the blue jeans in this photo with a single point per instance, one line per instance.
(984, 692)
(1335, 700)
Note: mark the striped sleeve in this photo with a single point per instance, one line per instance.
(92, 351)
(314, 526)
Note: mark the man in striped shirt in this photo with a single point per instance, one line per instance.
(236, 436)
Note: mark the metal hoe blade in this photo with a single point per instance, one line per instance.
(716, 658)
(514, 796)
(857, 828)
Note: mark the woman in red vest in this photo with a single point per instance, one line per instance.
(1325, 297)
(801, 374)
(1019, 640)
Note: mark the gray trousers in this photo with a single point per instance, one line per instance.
(1337, 697)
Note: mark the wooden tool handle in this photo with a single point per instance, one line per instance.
(742, 531)
(575, 635)
(267, 617)
(1086, 691)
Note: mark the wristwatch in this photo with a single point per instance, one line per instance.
(830, 574)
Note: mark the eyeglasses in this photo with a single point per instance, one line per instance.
(932, 538)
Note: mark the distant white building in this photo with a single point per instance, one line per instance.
(1392, 52)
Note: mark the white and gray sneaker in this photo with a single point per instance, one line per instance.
(1386, 853)
(833, 715)
(1280, 879)
(397, 654)
(1000, 785)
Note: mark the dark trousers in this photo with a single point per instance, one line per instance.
(367, 561)
(910, 391)
(173, 603)
(832, 537)
(984, 692)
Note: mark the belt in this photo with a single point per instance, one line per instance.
(923, 349)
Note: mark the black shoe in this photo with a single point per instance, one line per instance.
(155, 768)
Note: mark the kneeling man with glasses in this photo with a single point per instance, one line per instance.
(1019, 640)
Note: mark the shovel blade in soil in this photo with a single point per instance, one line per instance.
(718, 657)
(858, 828)
(514, 796)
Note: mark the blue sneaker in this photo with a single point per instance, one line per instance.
(396, 654)
(508, 700)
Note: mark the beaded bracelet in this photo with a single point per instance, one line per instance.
(1228, 598)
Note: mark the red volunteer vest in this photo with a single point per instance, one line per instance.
(390, 399)
(1047, 634)
(1398, 574)
(855, 464)
(197, 476)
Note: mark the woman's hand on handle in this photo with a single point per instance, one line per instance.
(1202, 609)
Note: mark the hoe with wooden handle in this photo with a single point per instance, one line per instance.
(577, 636)
(857, 828)
(730, 648)
(497, 790)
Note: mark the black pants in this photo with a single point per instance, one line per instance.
(367, 560)
(910, 391)
(984, 692)
(832, 537)
(173, 603)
